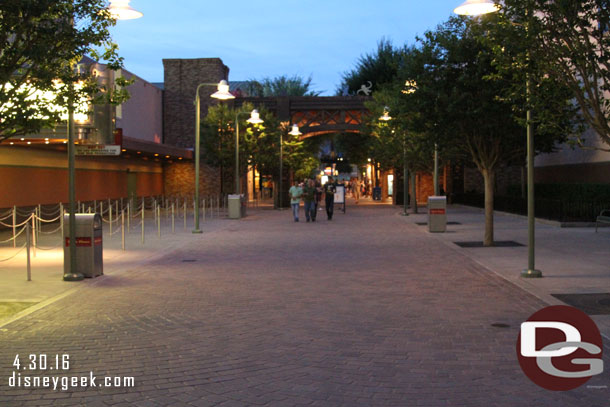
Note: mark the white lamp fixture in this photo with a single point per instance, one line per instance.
(295, 130)
(255, 117)
(476, 7)
(121, 10)
(386, 114)
(223, 91)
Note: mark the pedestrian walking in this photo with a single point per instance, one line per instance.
(329, 197)
(309, 196)
(295, 193)
(355, 189)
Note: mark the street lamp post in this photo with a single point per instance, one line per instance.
(120, 10)
(222, 93)
(478, 7)
(73, 275)
(405, 176)
(436, 189)
(254, 119)
(293, 132)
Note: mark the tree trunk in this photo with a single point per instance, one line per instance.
(489, 178)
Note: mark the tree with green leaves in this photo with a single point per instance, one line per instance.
(259, 144)
(458, 64)
(42, 43)
(569, 42)
(280, 86)
(375, 69)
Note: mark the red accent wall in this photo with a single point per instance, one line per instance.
(31, 186)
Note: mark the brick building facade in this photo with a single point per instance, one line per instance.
(181, 78)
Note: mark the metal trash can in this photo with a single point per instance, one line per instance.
(89, 252)
(237, 206)
(437, 214)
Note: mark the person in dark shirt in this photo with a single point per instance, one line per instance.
(309, 196)
(329, 196)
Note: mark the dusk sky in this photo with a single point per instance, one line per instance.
(256, 39)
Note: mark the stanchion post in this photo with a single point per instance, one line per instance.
(142, 222)
(184, 213)
(38, 222)
(194, 211)
(155, 209)
(123, 230)
(128, 215)
(61, 219)
(14, 226)
(158, 221)
(34, 235)
(110, 212)
(27, 249)
(173, 219)
(204, 209)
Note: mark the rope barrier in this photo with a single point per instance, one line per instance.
(43, 213)
(53, 212)
(114, 233)
(113, 221)
(137, 215)
(14, 237)
(10, 215)
(48, 221)
(14, 255)
(48, 248)
(51, 232)
(19, 224)
(24, 213)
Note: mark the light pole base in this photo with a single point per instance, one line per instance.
(197, 231)
(531, 274)
(73, 277)
(405, 214)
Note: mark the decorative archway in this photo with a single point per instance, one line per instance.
(315, 115)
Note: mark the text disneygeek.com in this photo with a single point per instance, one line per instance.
(64, 383)
(40, 363)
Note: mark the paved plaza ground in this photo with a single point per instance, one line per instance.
(366, 310)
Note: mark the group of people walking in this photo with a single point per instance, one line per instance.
(311, 193)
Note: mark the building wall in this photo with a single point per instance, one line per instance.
(30, 176)
(141, 117)
(179, 180)
(571, 165)
(590, 173)
(182, 76)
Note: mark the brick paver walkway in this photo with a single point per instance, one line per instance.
(366, 310)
